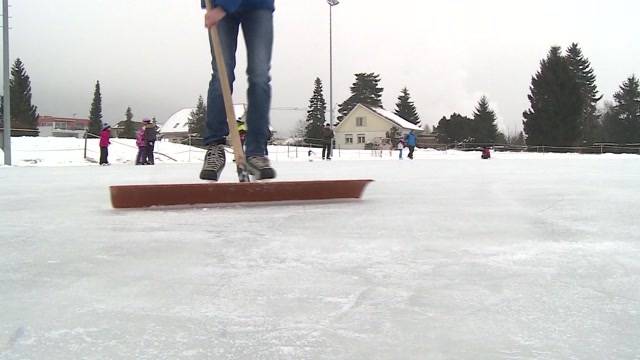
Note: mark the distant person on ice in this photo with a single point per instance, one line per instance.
(150, 136)
(327, 141)
(105, 135)
(486, 153)
(411, 140)
(256, 19)
(400, 148)
(141, 148)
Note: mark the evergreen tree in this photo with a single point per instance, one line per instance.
(95, 114)
(556, 104)
(485, 129)
(24, 115)
(622, 121)
(128, 126)
(315, 115)
(197, 118)
(455, 129)
(364, 91)
(406, 109)
(590, 126)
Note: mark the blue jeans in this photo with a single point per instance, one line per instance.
(257, 28)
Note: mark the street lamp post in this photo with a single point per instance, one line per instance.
(7, 91)
(331, 3)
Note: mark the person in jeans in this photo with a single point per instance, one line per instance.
(256, 19)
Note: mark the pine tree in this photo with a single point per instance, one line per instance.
(406, 109)
(590, 126)
(128, 128)
(197, 118)
(315, 115)
(556, 104)
(24, 115)
(364, 91)
(485, 130)
(622, 121)
(455, 129)
(95, 114)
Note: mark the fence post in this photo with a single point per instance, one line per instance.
(85, 144)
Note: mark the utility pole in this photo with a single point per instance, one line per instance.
(331, 3)
(7, 88)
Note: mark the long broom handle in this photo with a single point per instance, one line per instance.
(238, 151)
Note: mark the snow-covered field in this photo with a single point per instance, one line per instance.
(524, 256)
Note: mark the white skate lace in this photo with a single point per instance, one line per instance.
(259, 162)
(214, 158)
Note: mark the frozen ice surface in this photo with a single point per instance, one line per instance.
(446, 257)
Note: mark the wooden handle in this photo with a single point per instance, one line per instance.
(236, 144)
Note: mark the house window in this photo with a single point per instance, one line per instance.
(348, 139)
(361, 139)
(176, 125)
(361, 122)
(60, 125)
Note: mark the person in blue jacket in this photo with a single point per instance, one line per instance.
(255, 17)
(410, 140)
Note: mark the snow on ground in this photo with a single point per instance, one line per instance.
(446, 257)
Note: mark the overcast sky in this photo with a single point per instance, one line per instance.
(154, 55)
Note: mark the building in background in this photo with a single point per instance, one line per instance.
(176, 128)
(62, 127)
(369, 125)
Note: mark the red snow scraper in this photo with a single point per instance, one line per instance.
(139, 196)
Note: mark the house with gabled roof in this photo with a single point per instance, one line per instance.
(176, 128)
(366, 124)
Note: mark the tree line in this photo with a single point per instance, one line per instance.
(563, 111)
(24, 114)
(563, 108)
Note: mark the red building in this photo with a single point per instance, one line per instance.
(62, 127)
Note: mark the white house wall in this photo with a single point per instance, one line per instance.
(376, 127)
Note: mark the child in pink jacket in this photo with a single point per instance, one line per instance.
(105, 134)
(140, 159)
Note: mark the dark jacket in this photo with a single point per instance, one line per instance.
(150, 134)
(231, 6)
(327, 135)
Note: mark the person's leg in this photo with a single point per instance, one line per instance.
(257, 28)
(324, 151)
(150, 158)
(102, 155)
(216, 127)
